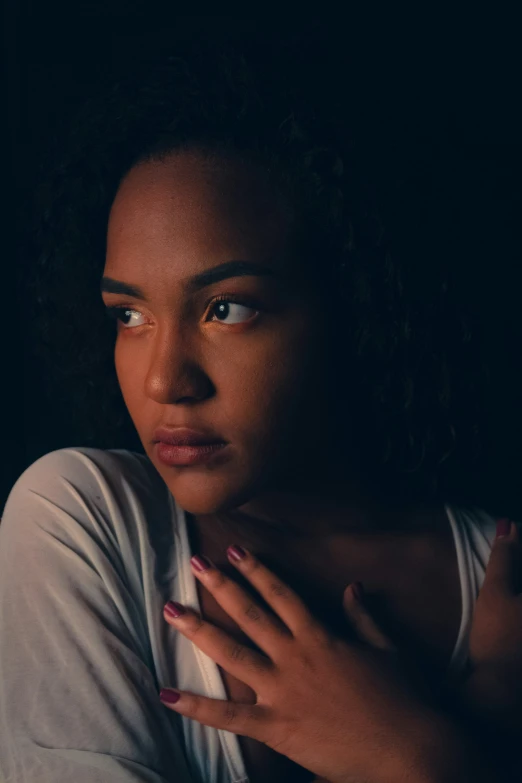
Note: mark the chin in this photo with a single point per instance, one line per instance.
(205, 493)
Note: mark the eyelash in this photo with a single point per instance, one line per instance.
(115, 313)
(236, 299)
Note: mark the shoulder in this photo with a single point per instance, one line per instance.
(110, 495)
(115, 471)
(84, 465)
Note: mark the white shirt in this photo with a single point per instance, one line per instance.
(92, 545)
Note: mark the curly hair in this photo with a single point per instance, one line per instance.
(411, 357)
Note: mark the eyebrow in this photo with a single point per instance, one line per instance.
(202, 280)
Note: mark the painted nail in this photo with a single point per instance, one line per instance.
(169, 696)
(358, 590)
(174, 609)
(503, 528)
(200, 563)
(236, 552)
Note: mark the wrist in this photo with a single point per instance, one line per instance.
(439, 750)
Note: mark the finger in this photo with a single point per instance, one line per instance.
(282, 599)
(239, 660)
(264, 628)
(363, 623)
(368, 631)
(248, 720)
(504, 565)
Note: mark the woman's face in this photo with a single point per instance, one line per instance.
(241, 354)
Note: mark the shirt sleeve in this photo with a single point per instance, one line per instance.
(78, 700)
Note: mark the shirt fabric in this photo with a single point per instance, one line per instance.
(92, 545)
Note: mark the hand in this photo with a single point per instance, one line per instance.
(490, 698)
(345, 711)
(492, 692)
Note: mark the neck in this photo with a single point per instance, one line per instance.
(313, 515)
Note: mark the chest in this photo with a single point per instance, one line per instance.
(415, 598)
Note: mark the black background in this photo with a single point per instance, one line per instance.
(436, 107)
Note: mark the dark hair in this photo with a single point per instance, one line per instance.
(410, 360)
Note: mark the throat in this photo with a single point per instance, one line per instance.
(410, 576)
(412, 590)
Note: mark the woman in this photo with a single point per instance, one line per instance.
(223, 563)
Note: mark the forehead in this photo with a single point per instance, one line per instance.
(190, 210)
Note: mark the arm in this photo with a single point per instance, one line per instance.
(78, 700)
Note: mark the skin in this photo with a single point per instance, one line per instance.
(489, 696)
(367, 721)
(264, 377)
(262, 380)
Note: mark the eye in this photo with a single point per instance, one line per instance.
(125, 316)
(231, 312)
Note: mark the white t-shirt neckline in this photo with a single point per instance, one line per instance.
(208, 668)
(210, 671)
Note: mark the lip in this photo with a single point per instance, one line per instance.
(181, 447)
(183, 436)
(183, 456)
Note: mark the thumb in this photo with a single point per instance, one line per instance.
(503, 571)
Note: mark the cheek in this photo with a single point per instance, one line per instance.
(268, 385)
(263, 383)
(130, 371)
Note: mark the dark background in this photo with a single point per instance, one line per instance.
(436, 110)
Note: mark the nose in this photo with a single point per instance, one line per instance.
(175, 374)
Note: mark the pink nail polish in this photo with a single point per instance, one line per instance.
(169, 696)
(200, 563)
(174, 609)
(503, 528)
(236, 552)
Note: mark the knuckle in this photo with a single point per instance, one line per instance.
(279, 589)
(251, 564)
(195, 625)
(217, 579)
(260, 666)
(319, 637)
(230, 713)
(192, 706)
(253, 612)
(252, 715)
(311, 660)
(237, 652)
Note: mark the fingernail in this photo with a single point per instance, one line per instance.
(358, 590)
(503, 528)
(236, 552)
(169, 696)
(174, 609)
(200, 563)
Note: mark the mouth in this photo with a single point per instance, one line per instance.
(182, 447)
(181, 456)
